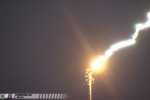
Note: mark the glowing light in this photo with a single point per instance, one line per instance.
(100, 61)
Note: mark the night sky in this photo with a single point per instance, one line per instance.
(47, 45)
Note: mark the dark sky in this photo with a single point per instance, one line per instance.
(47, 45)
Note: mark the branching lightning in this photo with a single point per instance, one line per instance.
(99, 62)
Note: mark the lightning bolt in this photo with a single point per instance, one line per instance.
(99, 62)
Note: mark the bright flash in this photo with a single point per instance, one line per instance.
(99, 63)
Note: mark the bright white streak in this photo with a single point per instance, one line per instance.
(98, 63)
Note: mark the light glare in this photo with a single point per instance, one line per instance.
(99, 63)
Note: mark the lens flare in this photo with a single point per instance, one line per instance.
(99, 63)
